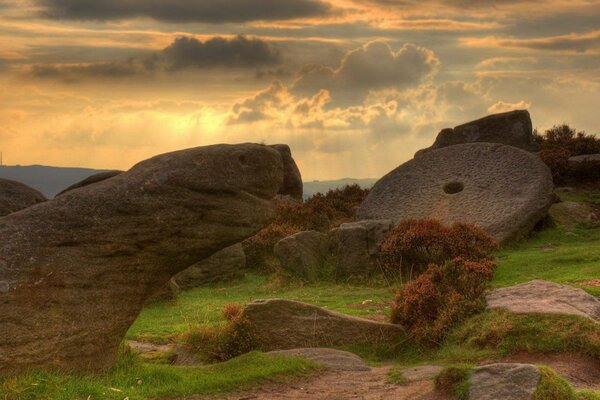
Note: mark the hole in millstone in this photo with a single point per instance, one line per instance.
(453, 187)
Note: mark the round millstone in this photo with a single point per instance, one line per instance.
(501, 188)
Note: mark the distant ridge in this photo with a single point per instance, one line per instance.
(52, 180)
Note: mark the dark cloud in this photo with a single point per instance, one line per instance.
(183, 53)
(209, 11)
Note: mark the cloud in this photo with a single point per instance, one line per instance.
(374, 66)
(574, 42)
(501, 106)
(209, 11)
(182, 53)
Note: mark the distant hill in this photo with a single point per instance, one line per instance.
(52, 180)
(310, 188)
(48, 180)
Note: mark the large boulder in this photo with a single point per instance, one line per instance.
(15, 196)
(544, 297)
(90, 180)
(355, 246)
(512, 128)
(571, 213)
(226, 264)
(292, 180)
(303, 253)
(285, 324)
(502, 189)
(76, 271)
(504, 381)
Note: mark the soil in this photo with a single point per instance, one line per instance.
(582, 371)
(592, 283)
(367, 385)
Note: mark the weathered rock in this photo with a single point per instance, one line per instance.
(512, 128)
(303, 253)
(500, 188)
(332, 359)
(15, 196)
(570, 213)
(585, 158)
(90, 180)
(226, 264)
(292, 179)
(168, 292)
(504, 381)
(355, 246)
(79, 268)
(285, 324)
(545, 297)
(422, 373)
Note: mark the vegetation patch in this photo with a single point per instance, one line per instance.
(553, 387)
(454, 381)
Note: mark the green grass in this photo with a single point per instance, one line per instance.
(454, 381)
(136, 380)
(553, 387)
(203, 306)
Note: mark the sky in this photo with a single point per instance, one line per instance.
(355, 87)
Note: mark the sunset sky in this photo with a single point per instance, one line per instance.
(354, 87)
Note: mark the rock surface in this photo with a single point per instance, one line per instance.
(303, 253)
(332, 359)
(504, 381)
(355, 246)
(286, 324)
(226, 264)
(76, 270)
(570, 213)
(422, 373)
(15, 196)
(584, 158)
(500, 188)
(292, 179)
(512, 128)
(90, 180)
(544, 297)
(168, 292)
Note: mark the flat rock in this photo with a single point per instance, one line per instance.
(90, 180)
(544, 297)
(285, 324)
(225, 264)
(76, 271)
(584, 158)
(422, 373)
(503, 189)
(332, 359)
(15, 196)
(303, 253)
(570, 213)
(512, 128)
(504, 381)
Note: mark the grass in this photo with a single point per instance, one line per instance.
(135, 380)
(454, 381)
(553, 387)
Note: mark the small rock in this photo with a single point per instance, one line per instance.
(570, 213)
(226, 264)
(303, 253)
(332, 359)
(422, 373)
(504, 381)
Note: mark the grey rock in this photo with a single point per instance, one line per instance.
(500, 188)
(303, 253)
(585, 158)
(355, 246)
(15, 196)
(512, 128)
(544, 297)
(292, 179)
(422, 373)
(225, 264)
(90, 180)
(570, 213)
(504, 381)
(332, 359)
(285, 324)
(168, 292)
(81, 266)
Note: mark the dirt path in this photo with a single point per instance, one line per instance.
(366, 385)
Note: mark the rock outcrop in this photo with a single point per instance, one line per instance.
(292, 179)
(332, 359)
(504, 381)
(15, 196)
(355, 246)
(544, 297)
(90, 180)
(303, 253)
(226, 264)
(286, 324)
(75, 271)
(503, 189)
(512, 128)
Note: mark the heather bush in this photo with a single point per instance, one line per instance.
(218, 344)
(414, 244)
(444, 295)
